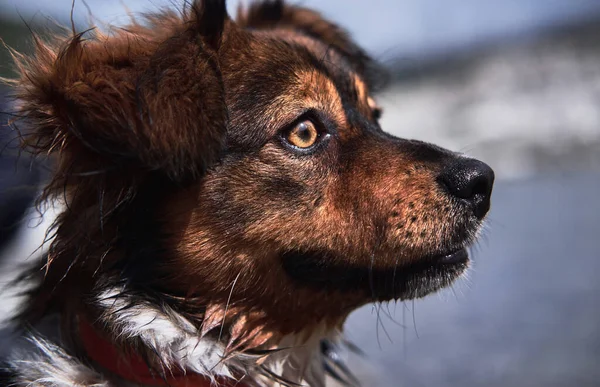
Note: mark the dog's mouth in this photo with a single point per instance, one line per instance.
(325, 271)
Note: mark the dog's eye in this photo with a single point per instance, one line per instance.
(303, 135)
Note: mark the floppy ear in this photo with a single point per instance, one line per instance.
(269, 14)
(124, 114)
(148, 96)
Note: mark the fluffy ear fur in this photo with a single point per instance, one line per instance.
(148, 96)
(140, 110)
(269, 14)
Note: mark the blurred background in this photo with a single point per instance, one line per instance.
(515, 83)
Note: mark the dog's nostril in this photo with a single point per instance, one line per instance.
(478, 184)
(470, 180)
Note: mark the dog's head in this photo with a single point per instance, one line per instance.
(236, 169)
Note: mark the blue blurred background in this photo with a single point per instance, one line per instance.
(515, 83)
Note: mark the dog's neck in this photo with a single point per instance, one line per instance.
(173, 341)
(133, 368)
(179, 353)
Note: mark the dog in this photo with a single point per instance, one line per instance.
(228, 197)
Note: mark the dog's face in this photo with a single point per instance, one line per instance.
(283, 204)
(314, 209)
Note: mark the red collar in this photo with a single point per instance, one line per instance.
(131, 366)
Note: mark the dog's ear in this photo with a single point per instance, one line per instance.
(270, 14)
(149, 95)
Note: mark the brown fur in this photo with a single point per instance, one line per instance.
(167, 141)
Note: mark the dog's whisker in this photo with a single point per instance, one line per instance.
(227, 305)
(392, 319)
(404, 329)
(383, 326)
(414, 319)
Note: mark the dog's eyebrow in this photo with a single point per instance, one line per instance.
(350, 86)
(347, 85)
(327, 60)
(352, 89)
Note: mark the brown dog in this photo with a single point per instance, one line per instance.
(229, 198)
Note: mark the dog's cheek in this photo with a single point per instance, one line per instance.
(270, 188)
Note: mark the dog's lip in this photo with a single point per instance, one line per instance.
(413, 280)
(456, 256)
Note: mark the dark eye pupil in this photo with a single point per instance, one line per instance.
(304, 132)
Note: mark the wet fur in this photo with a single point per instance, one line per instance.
(188, 223)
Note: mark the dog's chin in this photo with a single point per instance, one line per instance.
(402, 282)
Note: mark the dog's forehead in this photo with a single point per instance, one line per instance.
(318, 57)
(283, 74)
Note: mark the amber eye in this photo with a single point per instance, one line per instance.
(303, 135)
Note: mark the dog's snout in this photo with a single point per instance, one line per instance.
(470, 180)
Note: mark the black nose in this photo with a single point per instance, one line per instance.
(471, 181)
